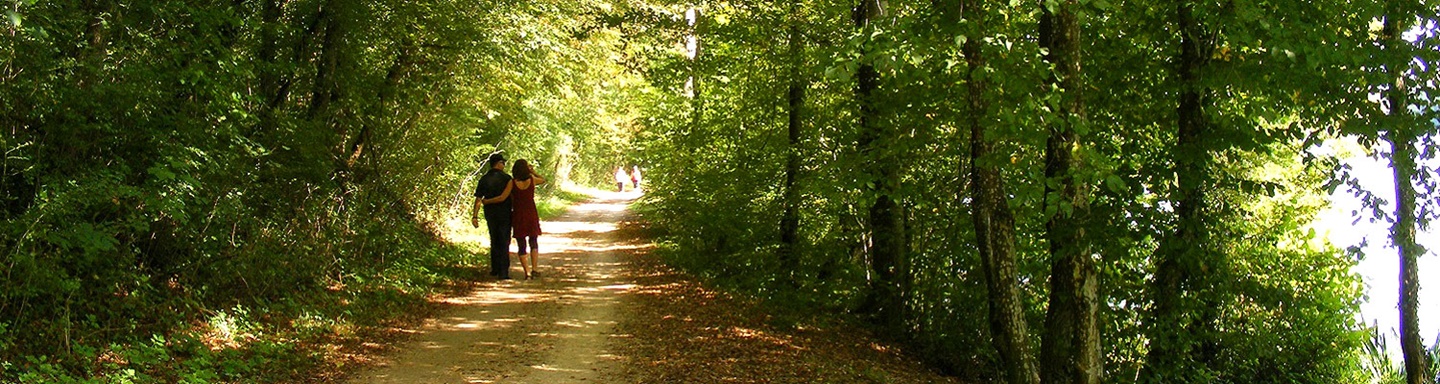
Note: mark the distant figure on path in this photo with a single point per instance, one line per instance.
(525, 218)
(620, 178)
(493, 194)
(635, 176)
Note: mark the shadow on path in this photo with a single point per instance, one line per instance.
(605, 310)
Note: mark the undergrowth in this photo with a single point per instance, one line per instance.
(281, 340)
(300, 335)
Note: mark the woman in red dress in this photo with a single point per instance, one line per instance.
(524, 217)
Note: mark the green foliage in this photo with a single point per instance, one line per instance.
(181, 176)
(1267, 295)
(1382, 368)
(165, 162)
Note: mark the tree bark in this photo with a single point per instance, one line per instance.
(323, 91)
(697, 106)
(1400, 133)
(994, 222)
(269, 44)
(887, 229)
(1185, 252)
(795, 97)
(393, 76)
(1402, 161)
(276, 78)
(269, 76)
(91, 54)
(1070, 350)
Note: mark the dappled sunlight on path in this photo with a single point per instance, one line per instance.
(607, 311)
(554, 329)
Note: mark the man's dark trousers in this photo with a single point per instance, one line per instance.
(499, 225)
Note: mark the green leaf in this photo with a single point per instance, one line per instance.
(91, 239)
(161, 173)
(1114, 183)
(14, 18)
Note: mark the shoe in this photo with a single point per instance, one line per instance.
(504, 277)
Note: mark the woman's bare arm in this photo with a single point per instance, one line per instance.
(503, 194)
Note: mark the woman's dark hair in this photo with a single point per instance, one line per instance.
(521, 170)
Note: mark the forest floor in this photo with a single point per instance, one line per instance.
(603, 310)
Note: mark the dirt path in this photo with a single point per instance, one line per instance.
(553, 329)
(606, 311)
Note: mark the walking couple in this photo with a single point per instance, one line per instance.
(509, 202)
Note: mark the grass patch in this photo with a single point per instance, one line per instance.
(558, 200)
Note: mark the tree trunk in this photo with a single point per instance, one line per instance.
(1402, 160)
(323, 90)
(397, 71)
(697, 106)
(994, 223)
(1400, 133)
(790, 218)
(269, 74)
(97, 34)
(276, 77)
(887, 229)
(1070, 350)
(1186, 251)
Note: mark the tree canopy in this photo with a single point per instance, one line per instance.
(1060, 191)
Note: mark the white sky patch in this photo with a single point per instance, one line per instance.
(1380, 267)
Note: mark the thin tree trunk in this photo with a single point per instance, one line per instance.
(994, 223)
(269, 75)
(1402, 160)
(276, 77)
(790, 218)
(697, 106)
(1171, 334)
(91, 54)
(323, 90)
(887, 228)
(1070, 350)
(1400, 133)
(397, 71)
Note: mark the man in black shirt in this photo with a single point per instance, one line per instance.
(493, 194)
